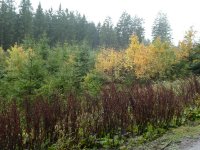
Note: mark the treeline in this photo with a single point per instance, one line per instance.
(64, 26)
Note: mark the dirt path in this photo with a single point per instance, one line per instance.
(196, 146)
(191, 144)
(182, 138)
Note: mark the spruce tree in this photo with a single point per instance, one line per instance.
(39, 24)
(161, 28)
(107, 34)
(124, 29)
(25, 20)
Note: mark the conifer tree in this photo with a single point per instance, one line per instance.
(161, 28)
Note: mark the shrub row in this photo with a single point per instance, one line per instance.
(39, 123)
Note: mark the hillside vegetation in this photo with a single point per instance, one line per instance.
(66, 83)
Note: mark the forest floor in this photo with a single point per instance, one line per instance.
(186, 137)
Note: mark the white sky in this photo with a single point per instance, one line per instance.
(182, 14)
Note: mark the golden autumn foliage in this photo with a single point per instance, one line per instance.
(186, 45)
(139, 60)
(149, 61)
(130, 53)
(144, 61)
(110, 62)
(17, 58)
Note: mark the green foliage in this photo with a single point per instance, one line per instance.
(93, 83)
(153, 132)
(60, 74)
(192, 114)
(81, 65)
(32, 76)
(107, 142)
(195, 60)
(2, 63)
(2, 70)
(66, 68)
(42, 46)
(178, 70)
(24, 72)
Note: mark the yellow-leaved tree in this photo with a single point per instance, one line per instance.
(186, 45)
(110, 62)
(149, 61)
(16, 59)
(137, 57)
(24, 72)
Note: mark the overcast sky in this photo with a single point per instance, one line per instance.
(182, 14)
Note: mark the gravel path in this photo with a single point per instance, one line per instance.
(194, 146)
(190, 144)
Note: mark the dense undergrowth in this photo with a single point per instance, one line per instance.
(72, 122)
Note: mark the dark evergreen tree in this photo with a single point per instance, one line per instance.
(50, 20)
(81, 66)
(7, 23)
(25, 20)
(39, 23)
(107, 34)
(128, 26)
(194, 59)
(138, 28)
(92, 35)
(59, 29)
(124, 30)
(2, 22)
(81, 27)
(161, 28)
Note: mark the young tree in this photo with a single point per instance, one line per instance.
(161, 28)
(109, 63)
(25, 74)
(81, 65)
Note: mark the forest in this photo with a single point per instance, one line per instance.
(67, 83)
